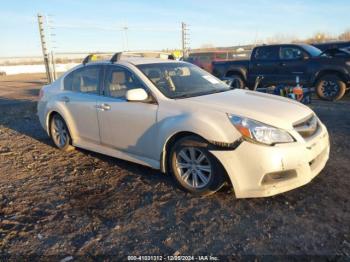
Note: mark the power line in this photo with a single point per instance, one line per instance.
(116, 27)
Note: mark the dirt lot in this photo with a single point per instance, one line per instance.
(55, 203)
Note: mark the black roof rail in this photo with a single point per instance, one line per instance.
(88, 58)
(116, 57)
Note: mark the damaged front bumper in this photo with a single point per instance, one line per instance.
(262, 171)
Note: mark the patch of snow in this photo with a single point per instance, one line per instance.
(28, 69)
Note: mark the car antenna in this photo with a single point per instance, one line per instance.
(116, 57)
(88, 59)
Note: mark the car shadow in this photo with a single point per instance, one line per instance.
(20, 116)
(32, 92)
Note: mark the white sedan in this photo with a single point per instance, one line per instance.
(175, 117)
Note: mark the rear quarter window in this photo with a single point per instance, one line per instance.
(67, 82)
(83, 80)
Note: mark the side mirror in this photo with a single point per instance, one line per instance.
(138, 94)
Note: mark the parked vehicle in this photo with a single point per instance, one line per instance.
(280, 64)
(205, 59)
(178, 118)
(332, 45)
(337, 52)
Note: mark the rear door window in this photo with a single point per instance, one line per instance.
(266, 53)
(290, 53)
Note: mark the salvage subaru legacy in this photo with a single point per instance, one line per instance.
(176, 117)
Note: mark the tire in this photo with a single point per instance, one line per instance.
(237, 82)
(330, 88)
(60, 134)
(194, 168)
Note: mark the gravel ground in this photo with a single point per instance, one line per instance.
(83, 203)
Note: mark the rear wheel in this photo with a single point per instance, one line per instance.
(195, 169)
(237, 82)
(60, 133)
(330, 87)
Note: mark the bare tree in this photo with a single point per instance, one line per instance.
(320, 37)
(345, 36)
(282, 38)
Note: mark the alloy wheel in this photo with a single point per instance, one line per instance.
(194, 167)
(59, 132)
(329, 88)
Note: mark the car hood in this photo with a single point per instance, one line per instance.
(269, 109)
(333, 51)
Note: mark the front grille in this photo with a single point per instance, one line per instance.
(308, 127)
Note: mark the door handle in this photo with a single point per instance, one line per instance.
(106, 107)
(283, 64)
(103, 107)
(65, 99)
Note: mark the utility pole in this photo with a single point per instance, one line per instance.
(53, 66)
(44, 47)
(185, 39)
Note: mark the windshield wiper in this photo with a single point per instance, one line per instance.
(220, 91)
(186, 95)
(201, 94)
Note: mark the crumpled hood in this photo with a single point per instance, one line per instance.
(269, 109)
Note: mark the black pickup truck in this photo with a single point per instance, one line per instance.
(283, 64)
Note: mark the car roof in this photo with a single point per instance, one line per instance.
(281, 45)
(143, 60)
(135, 61)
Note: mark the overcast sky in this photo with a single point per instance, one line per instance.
(91, 25)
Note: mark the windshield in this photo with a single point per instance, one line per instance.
(313, 51)
(180, 80)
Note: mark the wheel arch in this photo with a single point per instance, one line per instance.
(49, 117)
(169, 144)
(164, 167)
(322, 73)
(238, 72)
(219, 133)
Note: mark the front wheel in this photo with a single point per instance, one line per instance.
(237, 82)
(195, 169)
(330, 87)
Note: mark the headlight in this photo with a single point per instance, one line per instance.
(259, 132)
